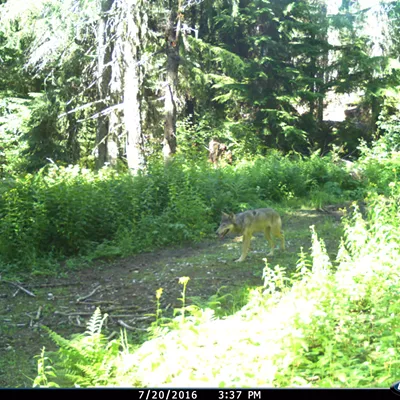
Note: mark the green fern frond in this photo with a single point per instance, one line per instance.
(85, 360)
(57, 339)
(95, 323)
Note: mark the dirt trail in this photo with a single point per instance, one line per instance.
(125, 289)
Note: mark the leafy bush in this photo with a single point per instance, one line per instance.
(379, 166)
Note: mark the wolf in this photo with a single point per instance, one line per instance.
(248, 222)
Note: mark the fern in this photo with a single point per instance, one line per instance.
(96, 323)
(85, 359)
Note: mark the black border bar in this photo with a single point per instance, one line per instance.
(229, 393)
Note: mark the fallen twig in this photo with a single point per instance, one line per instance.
(130, 328)
(112, 336)
(89, 295)
(122, 323)
(44, 285)
(73, 314)
(137, 317)
(97, 302)
(39, 311)
(20, 288)
(72, 322)
(122, 308)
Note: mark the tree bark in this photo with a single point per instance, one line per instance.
(172, 49)
(323, 65)
(105, 49)
(132, 87)
(73, 147)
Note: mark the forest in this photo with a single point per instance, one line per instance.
(128, 127)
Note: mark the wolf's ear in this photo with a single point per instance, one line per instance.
(224, 214)
(232, 216)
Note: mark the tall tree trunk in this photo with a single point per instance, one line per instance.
(136, 22)
(375, 110)
(190, 107)
(172, 37)
(323, 64)
(105, 49)
(321, 90)
(73, 147)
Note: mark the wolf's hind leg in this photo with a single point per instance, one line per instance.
(270, 240)
(279, 234)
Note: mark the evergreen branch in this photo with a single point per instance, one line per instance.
(229, 62)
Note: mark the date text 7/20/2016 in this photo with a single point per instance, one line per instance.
(199, 394)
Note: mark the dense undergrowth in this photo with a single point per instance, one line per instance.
(323, 327)
(62, 212)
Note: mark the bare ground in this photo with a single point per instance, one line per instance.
(125, 290)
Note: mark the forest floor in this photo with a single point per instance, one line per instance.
(125, 289)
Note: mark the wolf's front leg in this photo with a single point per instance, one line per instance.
(245, 247)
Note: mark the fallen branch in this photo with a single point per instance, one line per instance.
(71, 321)
(122, 323)
(112, 336)
(124, 308)
(89, 295)
(44, 285)
(20, 288)
(147, 309)
(98, 302)
(130, 328)
(39, 311)
(137, 317)
(73, 314)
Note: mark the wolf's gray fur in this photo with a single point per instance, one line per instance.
(246, 223)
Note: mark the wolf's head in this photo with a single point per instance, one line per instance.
(227, 224)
